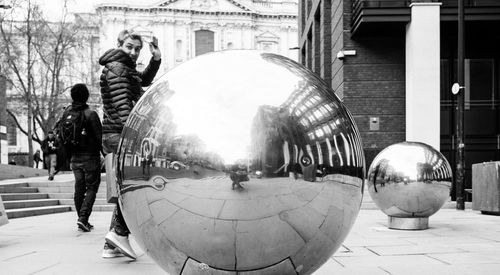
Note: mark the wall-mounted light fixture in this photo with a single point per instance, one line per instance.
(343, 53)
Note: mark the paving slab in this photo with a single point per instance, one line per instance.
(458, 242)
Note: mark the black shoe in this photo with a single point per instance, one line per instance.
(91, 226)
(84, 226)
(51, 177)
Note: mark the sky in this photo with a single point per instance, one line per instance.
(54, 7)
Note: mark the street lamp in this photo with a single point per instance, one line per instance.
(460, 154)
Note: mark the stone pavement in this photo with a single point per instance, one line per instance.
(458, 242)
(18, 171)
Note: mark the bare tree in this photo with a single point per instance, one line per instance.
(38, 55)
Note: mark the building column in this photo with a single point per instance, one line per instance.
(423, 74)
(4, 153)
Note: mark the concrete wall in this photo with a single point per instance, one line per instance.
(423, 74)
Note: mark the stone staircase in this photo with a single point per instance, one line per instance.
(38, 196)
(21, 200)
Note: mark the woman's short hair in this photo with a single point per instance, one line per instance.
(123, 35)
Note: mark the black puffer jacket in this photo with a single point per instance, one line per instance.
(121, 87)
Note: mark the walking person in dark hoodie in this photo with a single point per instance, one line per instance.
(81, 131)
(49, 148)
(121, 87)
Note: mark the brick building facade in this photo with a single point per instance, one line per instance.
(393, 63)
(371, 83)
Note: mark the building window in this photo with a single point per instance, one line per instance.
(230, 45)
(11, 132)
(268, 46)
(178, 50)
(481, 98)
(204, 42)
(479, 79)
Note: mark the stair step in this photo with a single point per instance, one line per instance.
(65, 189)
(14, 189)
(98, 201)
(34, 211)
(62, 196)
(66, 182)
(51, 183)
(30, 203)
(19, 184)
(99, 208)
(23, 196)
(57, 189)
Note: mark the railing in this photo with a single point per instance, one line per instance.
(406, 3)
(471, 3)
(359, 5)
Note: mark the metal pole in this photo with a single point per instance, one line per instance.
(460, 173)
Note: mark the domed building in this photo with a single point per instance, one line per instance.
(188, 28)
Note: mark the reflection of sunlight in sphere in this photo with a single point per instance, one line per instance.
(409, 180)
(239, 161)
(241, 102)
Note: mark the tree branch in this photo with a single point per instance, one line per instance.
(18, 125)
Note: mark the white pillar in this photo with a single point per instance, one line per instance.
(423, 74)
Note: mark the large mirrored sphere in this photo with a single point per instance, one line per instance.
(240, 162)
(409, 180)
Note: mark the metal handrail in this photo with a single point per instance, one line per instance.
(359, 5)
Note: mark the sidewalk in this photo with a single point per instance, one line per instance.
(458, 242)
(62, 177)
(18, 171)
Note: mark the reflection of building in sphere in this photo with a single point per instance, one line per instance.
(409, 181)
(300, 137)
(258, 167)
(267, 144)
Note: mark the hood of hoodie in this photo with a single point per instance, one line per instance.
(116, 55)
(78, 106)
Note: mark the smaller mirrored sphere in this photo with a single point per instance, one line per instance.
(409, 180)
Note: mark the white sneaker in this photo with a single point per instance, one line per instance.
(122, 243)
(109, 252)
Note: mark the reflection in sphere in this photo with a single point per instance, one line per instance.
(409, 180)
(240, 161)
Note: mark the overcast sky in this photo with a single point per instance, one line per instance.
(54, 7)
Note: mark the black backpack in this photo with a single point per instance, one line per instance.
(71, 128)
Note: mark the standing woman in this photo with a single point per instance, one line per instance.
(121, 87)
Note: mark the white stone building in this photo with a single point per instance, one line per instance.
(187, 28)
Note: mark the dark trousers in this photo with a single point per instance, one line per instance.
(110, 145)
(118, 223)
(87, 171)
